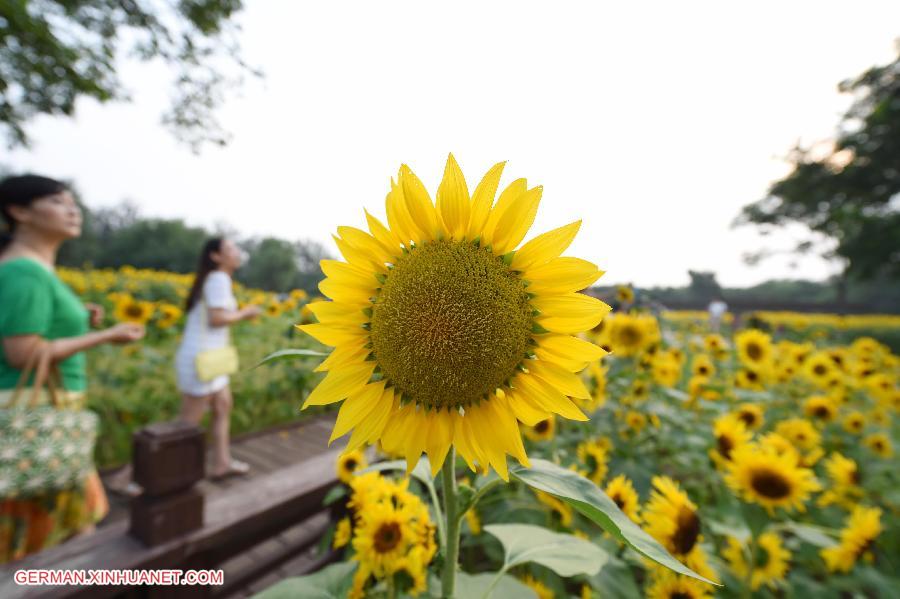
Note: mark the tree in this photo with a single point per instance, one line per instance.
(851, 194)
(703, 285)
(54, 51)
(272, 264)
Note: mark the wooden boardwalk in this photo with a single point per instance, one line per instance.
(260, 512)
(265, 452)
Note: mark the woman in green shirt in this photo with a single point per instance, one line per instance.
(37, 309)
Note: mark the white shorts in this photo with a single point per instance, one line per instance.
(186, 376)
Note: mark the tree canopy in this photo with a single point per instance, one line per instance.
(852, 194)
(120, 236)
(53, 52)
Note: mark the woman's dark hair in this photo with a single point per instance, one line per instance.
(22, 190)
(205, 266)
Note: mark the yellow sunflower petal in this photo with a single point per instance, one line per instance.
(396, 430)
(347, 274)
(561, 379)
(439, 439)
(512, 191)
(344, 355)
(545, 246)
(357, 407)
(547, 397)
(338, 384)
(356, 257)
(453, 200)
(385, 236)
(371, 428)
(487, 439)
(340, 313)
(562, 275)
(513, 224)
(417, 439)
(418, 202)
(461, 441)
(525, 410)
(483, 198)
(377, 253)
(570, 352)
(333, 335)
(341, 292)
(569, 313)
(398, 216)
(509, 429)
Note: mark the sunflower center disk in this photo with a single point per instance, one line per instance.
(450, 324)
(687, 532)
(770, 484)
(387, 537)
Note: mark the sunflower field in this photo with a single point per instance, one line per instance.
(653, 455)
(134, 385)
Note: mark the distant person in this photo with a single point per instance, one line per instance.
(211, 310)
(717, 309)
(38, 312)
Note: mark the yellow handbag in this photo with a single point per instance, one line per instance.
(212, 363)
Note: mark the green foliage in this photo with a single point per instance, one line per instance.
(593, 503)
(120, 236)
(565, 554)
(53, 52)
(484, 585)
(849, 196)
(332, 582)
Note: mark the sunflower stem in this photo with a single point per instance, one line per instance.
(451, 555)
(748, 579)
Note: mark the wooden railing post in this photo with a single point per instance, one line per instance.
(169, 459)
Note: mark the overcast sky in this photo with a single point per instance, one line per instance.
(654, 122)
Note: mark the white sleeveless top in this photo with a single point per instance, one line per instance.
(199, 336)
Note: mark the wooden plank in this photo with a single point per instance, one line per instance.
(295, 446)
(269, 556)
(263, 446)
(260, 462)
(287, 495)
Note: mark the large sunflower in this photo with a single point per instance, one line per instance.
(630, 334)
(863, 526)
(751, 415)
(129, 309)
(754, 349)
(771, 479)
(622, 492)
(770, 564)
(730, 433)
(594, 456)
(820, 407)
(665, 584)
(671, 518)
(444, 332)
(845, 480)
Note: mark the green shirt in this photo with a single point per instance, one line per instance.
(33, 301)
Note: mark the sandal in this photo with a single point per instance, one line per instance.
(235, 468)
(132, 489)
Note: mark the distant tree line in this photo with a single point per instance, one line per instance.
(119, 236)
(850, 195)
(881, 294)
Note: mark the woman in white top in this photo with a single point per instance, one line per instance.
(211, 310)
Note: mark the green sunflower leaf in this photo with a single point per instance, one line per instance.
(333, 582)
(593, 503)
(289, 354)
(567, 555)
(483, 585)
